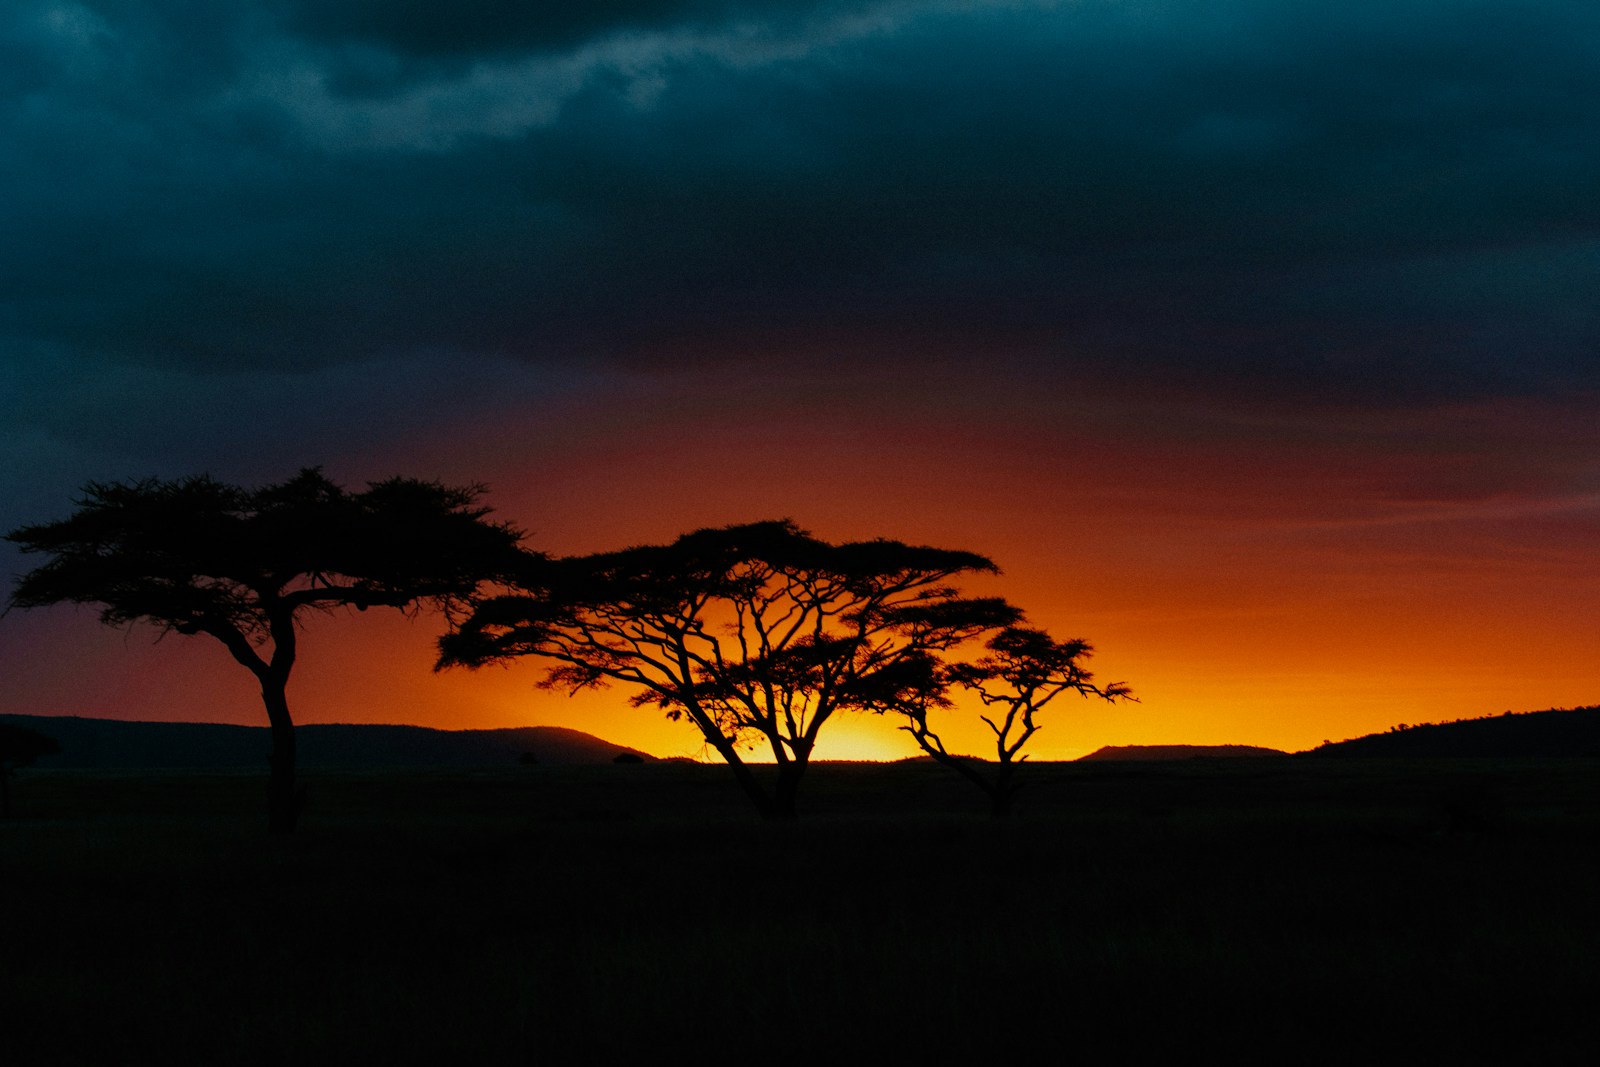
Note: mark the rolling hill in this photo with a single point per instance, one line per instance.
(1168, 752)
(117, 745)
(110, 744)
(1555, 732)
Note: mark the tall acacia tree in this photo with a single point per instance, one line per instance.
(1022, 670)
(758, 634)
(198, 556)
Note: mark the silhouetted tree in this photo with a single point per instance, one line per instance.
(19, 747)
(758, 634)
(197, 556)
(1023, 670)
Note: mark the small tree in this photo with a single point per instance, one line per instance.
(19, 747)
(1023, 670)
(758, 634)
(197, 556)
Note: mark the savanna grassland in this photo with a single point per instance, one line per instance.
(1285, 910)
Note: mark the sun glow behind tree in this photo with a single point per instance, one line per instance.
(756, 634)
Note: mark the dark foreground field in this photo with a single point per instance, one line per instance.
(1286, 911)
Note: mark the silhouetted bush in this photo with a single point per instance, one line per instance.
(19, 747)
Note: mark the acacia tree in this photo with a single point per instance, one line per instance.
(197, 556)
(1023, 670)
(758, 634)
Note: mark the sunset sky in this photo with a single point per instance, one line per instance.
(1256, 341)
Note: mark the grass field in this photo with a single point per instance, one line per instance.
(1284, 910)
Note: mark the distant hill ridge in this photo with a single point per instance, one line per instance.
(1166, 752)
(1554, 732)
(115, 744)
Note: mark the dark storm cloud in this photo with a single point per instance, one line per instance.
(1374, 204)
(1380, 201)
(475, 28)
(66, 420)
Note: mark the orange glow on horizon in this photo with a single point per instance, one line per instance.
(1255, 582)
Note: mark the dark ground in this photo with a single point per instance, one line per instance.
(1283, 910)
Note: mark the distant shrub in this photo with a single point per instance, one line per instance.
(19, 747)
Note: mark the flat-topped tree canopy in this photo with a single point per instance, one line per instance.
(757, 633)
(1022, 670)
(198, 555)
(195, 555)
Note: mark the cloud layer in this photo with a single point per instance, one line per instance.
(1258, 338)
(1364, 200)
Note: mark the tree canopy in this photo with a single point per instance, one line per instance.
(758, 634)
(1022, 670)
(196, 555)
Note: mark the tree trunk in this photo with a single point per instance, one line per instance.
(745, 777)
(283, 803)
(999, 796)
(1002, 791)
(1000, 802)
(786, 791)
